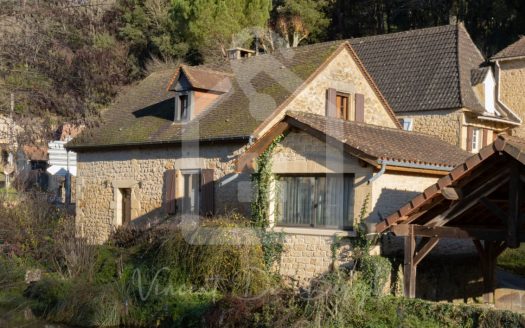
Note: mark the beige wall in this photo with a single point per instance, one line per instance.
(451, 125)
(512, 88)
(102, 173)
(444, 124)
(342, 74)
(393, 190)
(307, 250)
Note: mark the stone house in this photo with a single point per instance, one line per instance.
(182, 142)
(509, 65)
(438, 82)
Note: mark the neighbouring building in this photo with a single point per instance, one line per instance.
(509, 65)
(438, 82)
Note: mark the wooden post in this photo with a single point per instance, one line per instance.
(514, 206)
(488, 253)
(409, 274)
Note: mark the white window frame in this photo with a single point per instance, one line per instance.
(409, 121)
(194, 172)
(476, 139)
(178, 109)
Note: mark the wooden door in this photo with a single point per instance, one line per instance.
(126, 205)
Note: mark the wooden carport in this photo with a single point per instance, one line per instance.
(481, 199)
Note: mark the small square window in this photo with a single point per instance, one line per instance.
(406, 123)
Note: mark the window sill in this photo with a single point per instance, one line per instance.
(314, 231)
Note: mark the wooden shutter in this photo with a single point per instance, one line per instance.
(331, 99)
(207, 192)
(485, 137)
(170, 204)
(359, 107)
(470, 130)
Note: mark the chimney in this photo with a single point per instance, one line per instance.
(238, 53)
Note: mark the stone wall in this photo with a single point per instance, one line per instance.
(512, 88)
(101, 173)
(444, 124)
(342, 74)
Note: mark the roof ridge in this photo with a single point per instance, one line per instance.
(428, 30)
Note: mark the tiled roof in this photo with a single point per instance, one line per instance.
(517, 49)
(381, 143)
(513, 146)
(422, 70)
(144, 114)
(419, 70)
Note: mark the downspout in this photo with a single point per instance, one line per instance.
(379, 174)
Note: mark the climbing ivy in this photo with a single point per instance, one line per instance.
(272, 242)
(262, 181)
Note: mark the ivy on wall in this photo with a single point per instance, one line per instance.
(263, 178)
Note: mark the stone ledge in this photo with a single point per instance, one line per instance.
(314, 231)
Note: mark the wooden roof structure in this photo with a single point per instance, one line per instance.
(481, 199)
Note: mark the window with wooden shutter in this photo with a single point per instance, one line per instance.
(359, 107)
(170, 202)
(343, 106)
(469, 138)
(207, 192)
(331, 103)
(485, 137)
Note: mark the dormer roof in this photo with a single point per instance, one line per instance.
(202, 78)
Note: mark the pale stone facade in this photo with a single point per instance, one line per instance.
(308, 252)
(451, 125)
(512, 88)
(393, 190)
(102, 173)
(444, 124)
(343, 75)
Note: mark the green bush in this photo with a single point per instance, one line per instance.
(375, 271)
(513, 260)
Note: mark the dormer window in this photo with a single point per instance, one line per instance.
(183, 106)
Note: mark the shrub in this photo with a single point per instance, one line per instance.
(375, 271)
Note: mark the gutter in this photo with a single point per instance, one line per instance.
(485, 118)
(79, 148)
(385, 163)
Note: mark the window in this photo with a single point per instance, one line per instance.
(183, 107)
(189, 203)
(316, 201)
(476, 139)
(183, 101)
(125, 205)
(343, 109)
(406, 123)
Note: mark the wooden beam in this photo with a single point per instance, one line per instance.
(495, 209)
(409, 272)
(246, 160)
(471, 199)
(515, 198)
(480, 233)
(427, 247)
(452, 193)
